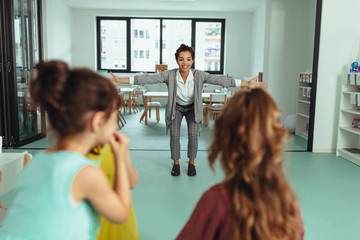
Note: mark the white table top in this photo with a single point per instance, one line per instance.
(156, 94)
(127, 89)
(165, 94)
(9, 157)
(11, 164)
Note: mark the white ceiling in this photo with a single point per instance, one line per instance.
(170, 5)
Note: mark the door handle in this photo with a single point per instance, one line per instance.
(8, 66)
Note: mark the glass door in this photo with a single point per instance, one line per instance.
(25, 120)
(27, 55)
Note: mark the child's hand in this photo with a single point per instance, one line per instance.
(119, 144)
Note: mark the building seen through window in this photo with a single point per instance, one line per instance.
(149, 46)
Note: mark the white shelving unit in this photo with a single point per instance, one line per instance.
(348, 142)
(303, 105)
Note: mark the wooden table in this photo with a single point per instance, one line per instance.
(150, 95)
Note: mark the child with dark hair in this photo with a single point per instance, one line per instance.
(56, 194)
(254, 201)
(185, 87)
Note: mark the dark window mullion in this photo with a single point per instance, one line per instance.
(128, 44)
(98, 45)
(193, 31)
(161, 41)
(222, 55)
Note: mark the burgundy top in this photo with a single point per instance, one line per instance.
(212, 217)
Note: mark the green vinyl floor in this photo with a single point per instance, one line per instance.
(327, 187)
(153, 135)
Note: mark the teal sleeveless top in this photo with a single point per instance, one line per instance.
(43, 207)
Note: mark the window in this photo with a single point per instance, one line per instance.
(173, 38)
(137, 44)
(113, 48)
(145, 45)
(208, 40)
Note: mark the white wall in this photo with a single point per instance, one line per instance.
(258, 41)
(57, 31)
(237, 38)
(339, 47)
(288, 50)
(310, 34)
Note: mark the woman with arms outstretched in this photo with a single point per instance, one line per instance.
(185, 87)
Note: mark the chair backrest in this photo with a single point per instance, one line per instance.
(218, 98)
(217, 101)
(160, 67)
(208, 90)
(136, 93)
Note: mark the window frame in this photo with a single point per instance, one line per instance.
(128, 40)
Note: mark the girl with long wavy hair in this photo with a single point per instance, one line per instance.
(254, 201)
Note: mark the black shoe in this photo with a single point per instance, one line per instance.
(191, 170)
(175, 170)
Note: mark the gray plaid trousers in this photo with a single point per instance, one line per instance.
(180, 112)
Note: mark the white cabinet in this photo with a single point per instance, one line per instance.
(348, 142)
(303, 105)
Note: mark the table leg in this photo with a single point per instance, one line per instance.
(145, 111)
(129, 102)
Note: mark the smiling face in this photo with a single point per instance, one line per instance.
(185, 61)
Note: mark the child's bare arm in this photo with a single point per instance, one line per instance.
(132, 173)
(91, 184)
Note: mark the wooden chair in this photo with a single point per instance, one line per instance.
(155, 105)
(134, 100)
(160, 67)
(216, 106)
(120, 117)
(151, 105)
(205, 104)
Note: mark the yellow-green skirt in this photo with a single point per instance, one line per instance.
(108, 230)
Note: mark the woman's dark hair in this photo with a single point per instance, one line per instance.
(184, 48)
(69, 95)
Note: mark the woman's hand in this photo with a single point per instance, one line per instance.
(115, 80)
(253, 83)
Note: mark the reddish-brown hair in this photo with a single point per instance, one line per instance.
(248, 139)
(184, 48)
(68, 95)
